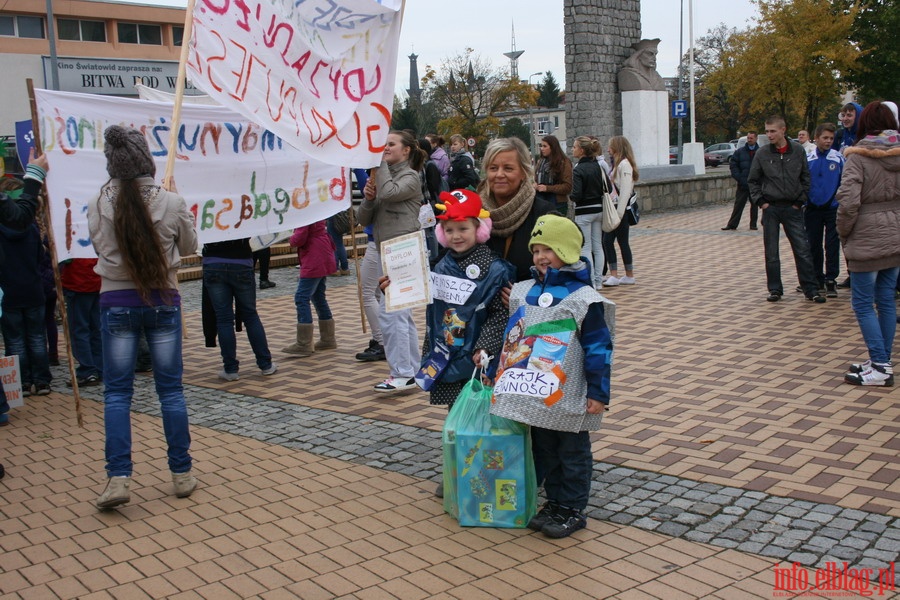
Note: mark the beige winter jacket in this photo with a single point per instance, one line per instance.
(868, 218)
(172, 220)
(395, 209)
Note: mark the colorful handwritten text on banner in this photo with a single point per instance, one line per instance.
(238, 179)
(318, 73)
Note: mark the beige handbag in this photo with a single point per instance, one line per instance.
(611, 218)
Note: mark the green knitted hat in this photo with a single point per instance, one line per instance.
(560, 235)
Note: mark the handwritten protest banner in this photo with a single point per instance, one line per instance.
(318, 73)
(238, 179)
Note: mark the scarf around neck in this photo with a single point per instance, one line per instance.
(509, 217)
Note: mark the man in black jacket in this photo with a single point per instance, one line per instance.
(779, 184)
(740, 169)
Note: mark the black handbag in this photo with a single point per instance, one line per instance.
(633, 210)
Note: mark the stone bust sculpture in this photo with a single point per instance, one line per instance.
(639, 70)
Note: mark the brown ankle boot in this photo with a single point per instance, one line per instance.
(303, 347)
(327, 340)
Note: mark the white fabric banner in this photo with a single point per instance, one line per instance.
(149, 93)
(318, 73)
(238, 179)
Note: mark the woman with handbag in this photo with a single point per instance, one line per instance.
(589, 184)
(553, 174)
(624, 175)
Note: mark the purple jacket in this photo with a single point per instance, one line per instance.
(440, 158)
(315, 251)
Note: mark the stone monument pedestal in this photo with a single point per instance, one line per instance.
(693, 155)
(645, 122)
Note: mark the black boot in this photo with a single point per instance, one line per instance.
(374, 352)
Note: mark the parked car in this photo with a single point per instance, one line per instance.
(712, 160)
(761, 140)
(673, 155)
(723, 150)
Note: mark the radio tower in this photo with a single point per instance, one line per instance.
(513, 56)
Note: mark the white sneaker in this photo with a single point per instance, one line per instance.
(228, 376)
(627, 280)
(395, 384)
(877, 374)
(611, 281)
(270, 370)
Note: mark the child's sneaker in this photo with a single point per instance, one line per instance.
(41, 389)
(877, 374)
(543, 516)
(627, 280)
(564, 523)
(611, 281)
(395, 384)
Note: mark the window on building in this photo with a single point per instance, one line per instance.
(177, 35)
(135, 33)
(83, 31)
(21, 26)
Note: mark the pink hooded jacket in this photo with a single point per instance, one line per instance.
(315, 251)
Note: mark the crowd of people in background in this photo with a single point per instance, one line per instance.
(839, 190)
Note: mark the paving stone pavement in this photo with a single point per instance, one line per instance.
(731, 447)
(808, 533)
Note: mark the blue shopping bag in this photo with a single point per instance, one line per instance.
(489, 478)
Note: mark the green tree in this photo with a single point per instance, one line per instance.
(794, 61)
(721, 109)
(548, 92)
(466, 93)
(514, 127)
(875, 31)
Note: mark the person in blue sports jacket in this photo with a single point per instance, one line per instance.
(554, 371)
(820, 216)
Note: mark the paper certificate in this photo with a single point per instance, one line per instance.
(405, 262)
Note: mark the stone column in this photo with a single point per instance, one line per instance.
(598, 38)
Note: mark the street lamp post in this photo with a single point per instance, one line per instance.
(531, 115)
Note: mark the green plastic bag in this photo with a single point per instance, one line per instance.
(489, 478)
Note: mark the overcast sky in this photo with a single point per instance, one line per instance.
(486, 26)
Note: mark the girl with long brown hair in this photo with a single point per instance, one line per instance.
(140, 231)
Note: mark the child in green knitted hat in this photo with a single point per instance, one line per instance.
(554, 370)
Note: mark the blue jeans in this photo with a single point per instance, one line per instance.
(870, 291)
(229, 285)
(821, 224)
(311, 288)
(25, 335)
(563, 461)
(121, 327)
(340, 251)
(592, 249)
(83, 311)
(785, 215)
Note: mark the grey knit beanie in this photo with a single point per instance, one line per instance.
(127, 153)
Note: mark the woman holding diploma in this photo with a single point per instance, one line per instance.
(393, 196)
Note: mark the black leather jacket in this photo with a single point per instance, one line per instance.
(589, 182)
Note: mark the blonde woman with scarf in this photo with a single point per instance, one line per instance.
(507, 192)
